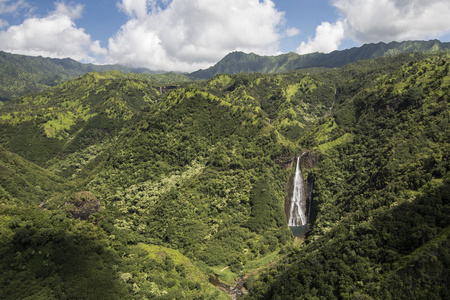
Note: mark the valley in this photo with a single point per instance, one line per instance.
(115, 188)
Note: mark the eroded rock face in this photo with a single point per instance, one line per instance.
(309, 159)
(289, 189)
(82, 204)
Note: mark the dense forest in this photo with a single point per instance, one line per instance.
(134, 186)
(382, 189)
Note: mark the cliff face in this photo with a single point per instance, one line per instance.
(289, 190)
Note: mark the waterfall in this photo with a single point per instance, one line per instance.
(297, 213)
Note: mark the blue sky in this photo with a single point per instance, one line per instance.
(185, 35)
(306, 15)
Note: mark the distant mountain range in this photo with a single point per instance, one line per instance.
(239, 62)
(20, 74)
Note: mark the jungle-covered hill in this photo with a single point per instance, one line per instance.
(381, 193)
(111, 189)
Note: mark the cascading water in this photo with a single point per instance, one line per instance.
(297, 216)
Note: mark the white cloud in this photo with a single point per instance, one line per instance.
(389, 20)
(96, 49)
(381, 20)
(189, 34)
(292, 31)
(134, 8)
(6, 7)
(328, 38)
(53, 36)
(73, 12)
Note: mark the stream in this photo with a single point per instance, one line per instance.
(235, 292)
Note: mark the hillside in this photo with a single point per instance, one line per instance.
(112, 189)
(381, 193)
(20, 74)
(239, 62)
(74, 114)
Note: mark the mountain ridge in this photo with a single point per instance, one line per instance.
(240, 62)
(21, 74)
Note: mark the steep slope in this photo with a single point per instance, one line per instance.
(381, 192)
(24, 182)
(73, 115)
(188, 175)
(239, 62)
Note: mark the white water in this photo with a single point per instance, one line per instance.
(297, 213)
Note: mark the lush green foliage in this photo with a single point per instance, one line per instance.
(186, 173)
(23, 182)
(143, 194)
(381, 229)
(73, 115)
(20, 74)
(46, 255)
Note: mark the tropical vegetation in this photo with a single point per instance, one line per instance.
(137, 186)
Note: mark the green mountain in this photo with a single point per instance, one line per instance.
(111, 189)
(239, 62)
(20, 74)
(74, 114)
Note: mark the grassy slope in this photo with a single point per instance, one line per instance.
(26, 183)
(73, 115)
